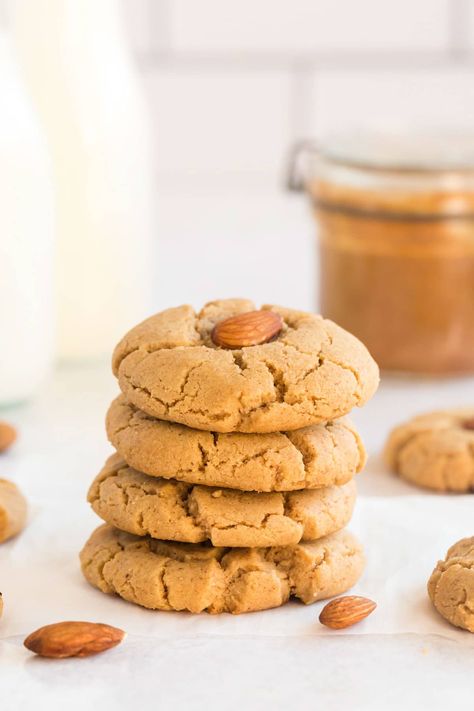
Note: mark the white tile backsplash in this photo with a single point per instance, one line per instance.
(232, 85)
(219, 126)
(215, 244)
(391, 100)
(468, 32)
(136, 21)
(308, 25)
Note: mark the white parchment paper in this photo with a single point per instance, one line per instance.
(403, 655)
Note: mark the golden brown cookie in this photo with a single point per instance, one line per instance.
(317, 456)
(172, 510)
(13, 510)
(451, 585)
(313, 371)
(435, 450)
(196, 577)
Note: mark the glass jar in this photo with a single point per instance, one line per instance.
(396, 246)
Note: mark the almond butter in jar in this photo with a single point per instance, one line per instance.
(396, 243)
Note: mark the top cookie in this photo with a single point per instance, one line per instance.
(311, 371)
(435, 450)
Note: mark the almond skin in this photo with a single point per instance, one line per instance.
(346, 611)
(7, 436)
(73, 639)
(249, 329)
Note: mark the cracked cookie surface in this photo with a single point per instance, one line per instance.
(313, 371)
(316, 456)
(173, 510)
(185, 576)
(435, 450)
(451, 585)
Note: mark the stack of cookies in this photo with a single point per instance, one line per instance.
(233, 476)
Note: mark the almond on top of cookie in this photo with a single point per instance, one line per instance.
(302, 369)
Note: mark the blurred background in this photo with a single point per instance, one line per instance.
(150, 140)
(232, 85)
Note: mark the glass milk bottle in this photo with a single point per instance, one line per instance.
(26, 240)
(77, 66)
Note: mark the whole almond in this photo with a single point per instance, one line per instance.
(346, 611)
(7, 435)
(468, 424)
(73, 639)
(249, 329)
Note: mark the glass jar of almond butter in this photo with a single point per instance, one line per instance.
(396, 247)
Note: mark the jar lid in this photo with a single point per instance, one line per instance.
(427, 176)
(415, 152)
(429, 153)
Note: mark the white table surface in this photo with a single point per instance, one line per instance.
(403, 656)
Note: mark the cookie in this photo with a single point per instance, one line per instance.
(317, 456)
(435, 450)
(172, 510)
(312, 371)
(197, 577)
(451, 585)
(13, 510)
